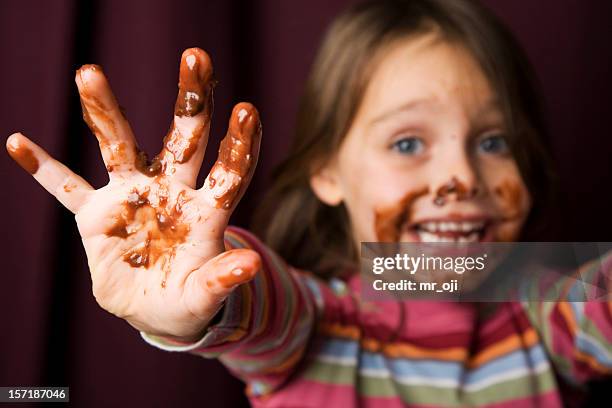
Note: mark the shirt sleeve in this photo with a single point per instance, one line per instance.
(265, 324)
(578, 334)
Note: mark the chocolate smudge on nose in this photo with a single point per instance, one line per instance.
(454, 186)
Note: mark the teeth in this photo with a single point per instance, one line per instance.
(473, 237)
(425, 236)
(465, 226)
(430, 226)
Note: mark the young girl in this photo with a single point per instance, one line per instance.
(419, 123)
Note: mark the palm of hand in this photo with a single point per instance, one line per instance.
(154, 243)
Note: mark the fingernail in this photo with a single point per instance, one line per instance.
(22, 155)
(247, 116)
(194, 81)
(235, 277)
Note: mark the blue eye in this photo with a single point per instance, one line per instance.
(495, 144)
(409, 145)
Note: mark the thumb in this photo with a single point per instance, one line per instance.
(208, 286)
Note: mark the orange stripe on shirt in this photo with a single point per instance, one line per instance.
(399, 350)
(338, 330)
(566, 312)
(592, 362)
(394, 350)
(568, 315)
(511, 343)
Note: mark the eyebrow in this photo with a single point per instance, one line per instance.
(491, 105)
(410, 105)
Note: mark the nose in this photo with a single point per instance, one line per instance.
(455, 178)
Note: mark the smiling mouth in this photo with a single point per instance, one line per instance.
(450, 230)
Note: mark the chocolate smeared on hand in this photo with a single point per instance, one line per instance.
(162, 223)
(235, 155)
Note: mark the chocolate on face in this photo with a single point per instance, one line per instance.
(511, 202)
(514, 205)
(511, 195)
(389, 221)
(434, 94)
(453, 187)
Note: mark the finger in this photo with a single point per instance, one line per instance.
(106, 120)
(185, 143)
(207, 287)
(69, 189)
(238, 153)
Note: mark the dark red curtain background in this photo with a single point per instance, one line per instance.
(53, 332)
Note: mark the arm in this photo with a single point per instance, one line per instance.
(578, 334)
(265, 324)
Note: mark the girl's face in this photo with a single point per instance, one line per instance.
(425, 158)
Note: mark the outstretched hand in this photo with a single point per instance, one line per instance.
(154, 242)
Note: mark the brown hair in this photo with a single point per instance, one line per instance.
(317, 237)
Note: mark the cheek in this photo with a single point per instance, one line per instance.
(512, 198)
(506, 191)
(379, 201)
(377, 193)
(389, 220)
(513, 203)
(365, 185)
(507, 197)
(510, 195)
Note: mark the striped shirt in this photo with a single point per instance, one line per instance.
(298, 341)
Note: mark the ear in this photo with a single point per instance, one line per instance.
(325, 185)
